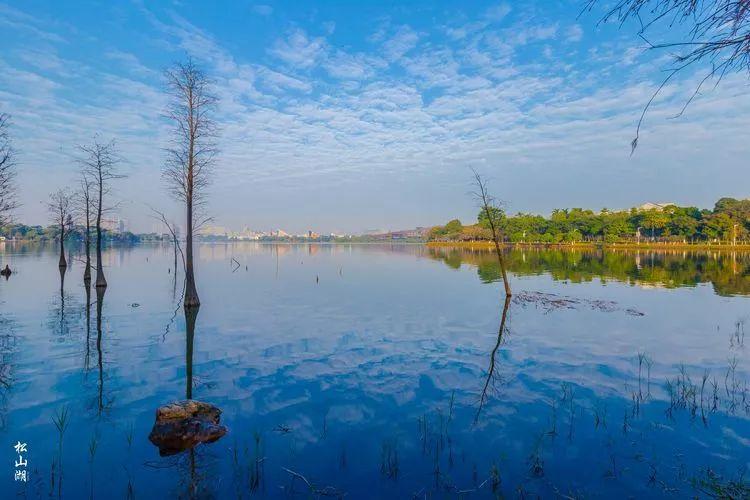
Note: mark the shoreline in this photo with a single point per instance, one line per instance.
(488, 245)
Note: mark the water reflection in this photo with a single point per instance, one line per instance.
(398, 376)
(62, 321)
(728, 272)
(7, 350)
(491, 378)
(87, 355)
(100, 291)
(191, 315)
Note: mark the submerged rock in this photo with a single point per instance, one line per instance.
(182, 425)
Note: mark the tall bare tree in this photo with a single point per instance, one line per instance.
(84, 205)
(99, 163)
(191, 153)
(7, 171)
(717, 37)
(60, 210)
(487, 203)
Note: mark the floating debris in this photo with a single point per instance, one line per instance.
(550, 302)
(282, 429)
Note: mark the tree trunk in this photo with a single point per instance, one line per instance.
(495, 239)
(191, 293)
(502, 267)
(62, 262)
(101, 282)
(87, 242)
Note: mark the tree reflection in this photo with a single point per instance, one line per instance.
(62, 297)
(491, 373)
(59, 320)
(101, 406)
(196, 464)
(191, 314)
(87, 357)
(729, 273)
(7, 350)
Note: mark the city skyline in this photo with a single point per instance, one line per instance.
(346, 118)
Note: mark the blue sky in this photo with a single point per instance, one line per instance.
(347, 116)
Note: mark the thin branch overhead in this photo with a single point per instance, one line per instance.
(716, 38)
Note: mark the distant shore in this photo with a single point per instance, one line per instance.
(488, 245)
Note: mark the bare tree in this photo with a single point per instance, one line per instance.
(7, 172)
(84, 205)
(717, 36)
(99, 163)
(191, 153)
(174, 231)
(487, 204)
(59, 208)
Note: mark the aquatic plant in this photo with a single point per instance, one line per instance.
(389, 462)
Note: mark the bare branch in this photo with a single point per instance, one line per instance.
(158, 215)
(718, 34)
(8, 201)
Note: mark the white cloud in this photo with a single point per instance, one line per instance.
(345, 66)
(574, 33)
(263, 10)
(631, 54)
(498, 12)
(298, 49)
(280, 82)
(402, 41)
(534, 34)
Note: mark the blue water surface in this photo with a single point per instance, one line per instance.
(380, 371)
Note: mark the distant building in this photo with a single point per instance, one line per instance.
(416, 233)
(654, 206)
(115, 225)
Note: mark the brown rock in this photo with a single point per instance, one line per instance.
(182, 425)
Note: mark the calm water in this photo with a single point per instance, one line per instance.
(381, 372)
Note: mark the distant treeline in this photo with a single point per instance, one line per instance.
(729, 221)
(49, 233)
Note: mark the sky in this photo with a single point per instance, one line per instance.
(343, 116)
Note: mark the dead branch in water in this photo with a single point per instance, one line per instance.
(328, 491)
(487, 202)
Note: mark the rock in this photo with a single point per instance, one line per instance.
(182, 425)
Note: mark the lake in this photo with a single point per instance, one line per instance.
(380, 371)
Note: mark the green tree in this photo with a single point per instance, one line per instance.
(453, 227)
